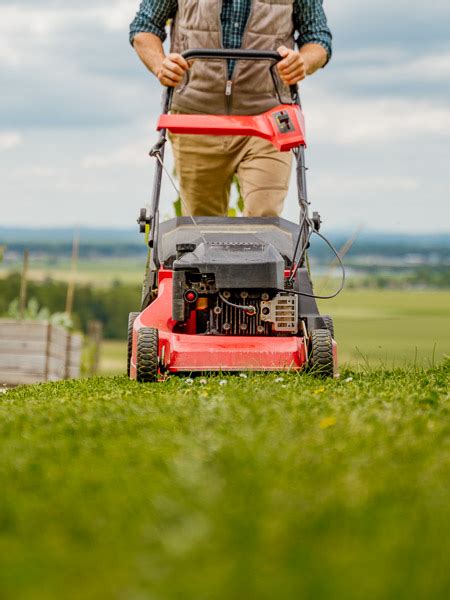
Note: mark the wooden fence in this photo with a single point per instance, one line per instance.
(35, 352)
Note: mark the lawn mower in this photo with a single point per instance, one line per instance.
(227, 294)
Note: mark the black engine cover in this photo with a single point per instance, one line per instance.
(237, 263)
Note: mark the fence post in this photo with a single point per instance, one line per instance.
(47, 351)
(23, 285)
(71, 285)
(95, 334)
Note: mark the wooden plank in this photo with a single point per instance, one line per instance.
(18, 350)
(34, 331)
(29, 363)
(24, 374)
(14, 323)
(29, 330)
(21, 346)
(13, 378)
(22, 364)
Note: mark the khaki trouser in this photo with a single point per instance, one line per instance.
(206, 164)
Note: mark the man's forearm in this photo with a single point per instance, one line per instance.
(315, 57)
(150, 50)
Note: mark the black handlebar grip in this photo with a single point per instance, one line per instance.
(231, 54)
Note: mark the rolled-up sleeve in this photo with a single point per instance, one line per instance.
(152, 17)
(311, 24)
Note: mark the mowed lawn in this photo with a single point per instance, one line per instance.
(263, 487)
(373, 327)
(391, 328)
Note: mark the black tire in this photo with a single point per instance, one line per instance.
(329, 324)
(321, 361)
(147, 355)
(131, 319)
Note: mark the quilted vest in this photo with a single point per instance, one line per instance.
(205, 88)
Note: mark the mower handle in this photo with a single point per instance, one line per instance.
(227, 54)
(231, 54)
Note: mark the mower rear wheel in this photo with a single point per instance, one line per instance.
(321, 361)
(131, 319)
(329, 324)
(147, 355)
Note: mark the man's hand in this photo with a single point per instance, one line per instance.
(296, 65)
(292, 68)
(172, 70)
(168, 69)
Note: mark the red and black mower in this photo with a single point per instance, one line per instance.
(230, 294)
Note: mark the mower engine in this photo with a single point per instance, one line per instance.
(233, 288)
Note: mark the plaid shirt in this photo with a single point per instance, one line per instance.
(309, 20)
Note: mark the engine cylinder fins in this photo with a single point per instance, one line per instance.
(238, 313)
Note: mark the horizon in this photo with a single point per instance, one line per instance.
(65, 229)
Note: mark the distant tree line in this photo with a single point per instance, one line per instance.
(64, 249)
(420, 277)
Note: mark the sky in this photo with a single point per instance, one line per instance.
(78, 113)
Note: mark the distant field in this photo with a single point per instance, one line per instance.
(391, 328)
(376, 328)
(99, 272)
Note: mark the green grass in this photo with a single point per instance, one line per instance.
(255, 489)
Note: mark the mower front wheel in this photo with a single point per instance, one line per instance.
(131, 319)
(321, 361)
(147, 355)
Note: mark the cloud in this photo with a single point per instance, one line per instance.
(65, 66)
(9, 139)
(342, 120)
(129, 155)
(409, 24)
(46, 18)
(361, 184)
(393, 69)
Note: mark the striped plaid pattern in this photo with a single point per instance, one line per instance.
(309, 20)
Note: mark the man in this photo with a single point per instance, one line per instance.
(206, 165)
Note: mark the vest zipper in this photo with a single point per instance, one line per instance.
(229, 95)
(229, 84)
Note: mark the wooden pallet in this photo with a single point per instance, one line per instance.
(35, 352)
